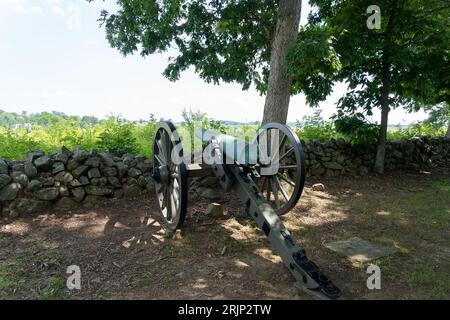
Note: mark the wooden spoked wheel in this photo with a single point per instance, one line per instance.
(170, 178)
(283, 186)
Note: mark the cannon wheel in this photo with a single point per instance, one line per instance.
(170, 178)
(283, 188)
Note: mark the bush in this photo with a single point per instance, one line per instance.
(218, 126)
(193, 120)
(315, 127)
(356, 129)
(14, 144)
(416, 130)
(118, 138)
(72, 135)
(145, 134)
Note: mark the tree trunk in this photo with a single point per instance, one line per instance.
(381, 151)
(447, 135)
(386, 90)
(280, 81)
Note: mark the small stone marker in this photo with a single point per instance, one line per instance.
(215, 210)
(318, 187)
(359, 250)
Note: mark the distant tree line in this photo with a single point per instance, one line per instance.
(10, 119)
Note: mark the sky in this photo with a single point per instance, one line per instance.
(54, 56)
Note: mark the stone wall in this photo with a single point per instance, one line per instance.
(337, 157)
(69, 177)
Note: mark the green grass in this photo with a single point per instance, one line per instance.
(10, 274)
(26, 270)
(53, 288)
(429, 207)
(139, 280)
(415, 130)
(441, 185)
(417, 224)
(436, 282)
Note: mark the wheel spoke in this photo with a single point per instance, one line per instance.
(163, 196)
(268, 189)
(283, 192)
(168, 204)
(275, 193)
(161, 162)
(175, 195)
(263, 184)
(160, 190)
(287, 153)
(161, 148)
(282, 177)
(173, 202)
(168, 149)
(283, 141)
(289, 167)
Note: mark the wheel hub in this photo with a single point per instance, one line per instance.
(161, 174)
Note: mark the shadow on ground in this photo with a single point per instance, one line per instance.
(123, 252)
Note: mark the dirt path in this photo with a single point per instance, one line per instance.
(123, 252)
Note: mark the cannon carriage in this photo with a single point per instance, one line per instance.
(268, 174)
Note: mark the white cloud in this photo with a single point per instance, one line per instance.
(58, 93)
(70, 10)
(57, 10)
(46, 94)
(120, 61)
(19, 6)
(73, 17)
(6, 46)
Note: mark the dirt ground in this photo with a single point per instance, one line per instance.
(123, 253)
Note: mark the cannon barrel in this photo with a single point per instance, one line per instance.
(234, 149)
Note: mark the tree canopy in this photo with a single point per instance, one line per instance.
(402, 63)
(224, 40)
(413, 42)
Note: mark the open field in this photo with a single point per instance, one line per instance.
(123, 252)
(49, 131)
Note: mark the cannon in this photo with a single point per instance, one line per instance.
(268, 174)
